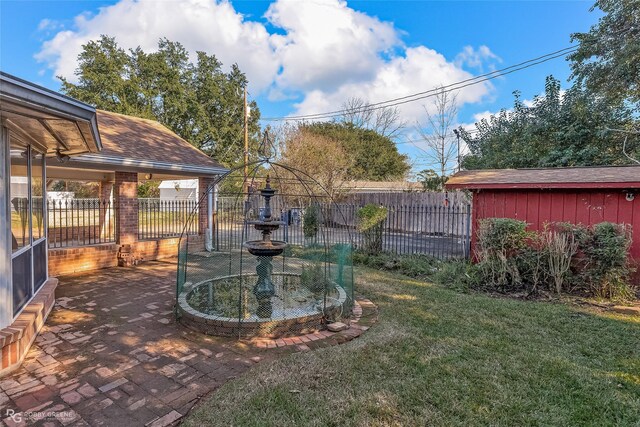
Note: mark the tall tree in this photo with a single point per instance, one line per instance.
(437, 132)
(361, 114)
(607, 61)
(375, 157)
(322, 164)
(559, 129)
(198, 101)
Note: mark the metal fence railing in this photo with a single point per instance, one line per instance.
(80, 222)
(435, 230)
(163, 218)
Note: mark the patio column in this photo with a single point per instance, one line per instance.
(205, 220)
(125, 196)
(105, 208)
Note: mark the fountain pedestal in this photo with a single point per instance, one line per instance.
(264, 289)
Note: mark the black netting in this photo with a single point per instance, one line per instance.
(279, 261)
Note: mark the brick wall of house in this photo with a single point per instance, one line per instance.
(150, 250)
(85, 258)
(124, 189)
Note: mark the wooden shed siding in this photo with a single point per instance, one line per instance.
(538, 207)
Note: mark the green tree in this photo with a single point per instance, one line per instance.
(149, 189)
(559, 129)
(431, 181)
(374, 156)
(607, 61)
(319, 161)
(198, 101)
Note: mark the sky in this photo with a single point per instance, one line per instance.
(310, 56)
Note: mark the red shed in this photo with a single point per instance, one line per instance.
(586, 195)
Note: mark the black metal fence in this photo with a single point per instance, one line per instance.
(163, 218)
(440, 231)
(80, 222)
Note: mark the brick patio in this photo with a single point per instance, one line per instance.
(112, 354)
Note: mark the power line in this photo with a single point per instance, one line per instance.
(451, 135)
(432, 92)
(471, 81)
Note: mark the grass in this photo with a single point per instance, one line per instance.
(439, 357)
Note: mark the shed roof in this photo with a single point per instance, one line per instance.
(142, 145)
(580, 177)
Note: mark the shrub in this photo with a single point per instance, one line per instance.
(605, 249)
(311, 222)
(457, 274)
(501, 244)
(371, 220)
(533, 265)
(313, 277)
(561, 258)
(559, 248)
(417, 266)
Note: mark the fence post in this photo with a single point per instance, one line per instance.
(467, 246)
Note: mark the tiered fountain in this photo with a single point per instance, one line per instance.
(264, 303)
(265, 250)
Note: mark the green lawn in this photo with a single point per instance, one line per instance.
(438, 357)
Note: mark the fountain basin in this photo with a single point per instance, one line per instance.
(265, 248)
(266, 225)
(296, 310)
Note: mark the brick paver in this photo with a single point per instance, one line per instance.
(111, 353)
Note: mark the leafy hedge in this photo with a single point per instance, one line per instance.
(561, 258)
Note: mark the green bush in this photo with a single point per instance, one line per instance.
(604, 263)
(560, 258)
(371, 220)
(457, 274)
(501, 245)
(417, 266)
(311, 222)
(313, 277)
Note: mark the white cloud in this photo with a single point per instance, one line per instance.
(49, 25)
(322, 54)
(477, 58)
(419, 69)
(214, 27)
(328, 44)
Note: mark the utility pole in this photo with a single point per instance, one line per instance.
(457, 133)
(246, 140)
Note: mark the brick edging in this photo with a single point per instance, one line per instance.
(365, 314)
(16, 339)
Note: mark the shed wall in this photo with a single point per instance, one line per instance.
(537, 207)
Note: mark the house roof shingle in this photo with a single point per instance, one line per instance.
(579, 177)
(136, 138)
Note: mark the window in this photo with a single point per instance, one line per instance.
(37, 199)
(27, 198)
(19, 198)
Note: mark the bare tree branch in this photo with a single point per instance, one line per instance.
(438, 129)
(385, 121)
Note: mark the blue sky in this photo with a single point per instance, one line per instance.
(307, 57)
